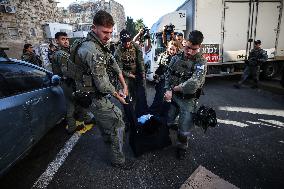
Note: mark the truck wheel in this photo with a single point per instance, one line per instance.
(269, 70)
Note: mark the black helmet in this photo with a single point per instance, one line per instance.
(257, 42)
(205, 117)
(124, 36)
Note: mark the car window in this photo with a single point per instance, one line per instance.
(16, 78)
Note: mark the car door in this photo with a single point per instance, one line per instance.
(45, 103)
(29, 107)
(15, 126)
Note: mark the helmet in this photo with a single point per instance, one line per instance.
(124, 36)
(205, 117)
(257, 42)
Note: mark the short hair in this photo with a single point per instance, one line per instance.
(103, 18)
(58, 34)
(180, 34)
(195, 37)
(26, 46)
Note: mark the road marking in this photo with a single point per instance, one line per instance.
(202, 178)
(273, 112)
(230, 122)
(44, 180)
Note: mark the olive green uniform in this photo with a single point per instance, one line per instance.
(31, 58)
(131, 61)
(190, 76)
(61, 66)
(93, 61)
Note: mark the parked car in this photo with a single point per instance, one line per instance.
(31, 103)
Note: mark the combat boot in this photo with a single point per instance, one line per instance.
(181, 153)
(173, 126)
(254, 86)
(127, 165)
(79, 126)
(237, 86)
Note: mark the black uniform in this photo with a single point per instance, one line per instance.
(256, 57)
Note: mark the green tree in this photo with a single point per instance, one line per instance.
(139, 24)
(130, 26)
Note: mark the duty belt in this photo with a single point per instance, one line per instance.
(184, 96)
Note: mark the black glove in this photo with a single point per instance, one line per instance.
(84, 99)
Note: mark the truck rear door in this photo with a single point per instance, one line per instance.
(244, 20)
(265, 27)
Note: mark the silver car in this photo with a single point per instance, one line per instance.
(31, 103)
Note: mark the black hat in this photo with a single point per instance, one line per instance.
(257, 42)
(124, 36)
(179, 34)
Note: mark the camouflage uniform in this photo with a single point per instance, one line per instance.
(31, 58)
(93, 59)
(256, 57)
(131, 61)
(190, 75)
(60, 66)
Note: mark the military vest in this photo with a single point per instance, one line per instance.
(83, 74)
(128, 58)
(181, 70)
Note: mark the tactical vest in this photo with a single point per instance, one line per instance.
(64, 65)
(128, 58)
(180, 71)
(83, 74)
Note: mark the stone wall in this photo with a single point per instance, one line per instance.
(25, 24)
(84, 13)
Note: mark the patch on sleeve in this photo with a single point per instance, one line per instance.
(200, 67)
(98, 58)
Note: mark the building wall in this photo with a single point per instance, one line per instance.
(84, 13)
(25, 25)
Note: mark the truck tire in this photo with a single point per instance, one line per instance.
(269, 70)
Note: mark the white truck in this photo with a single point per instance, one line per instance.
(231, 26)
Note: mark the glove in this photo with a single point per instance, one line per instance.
(55, 80)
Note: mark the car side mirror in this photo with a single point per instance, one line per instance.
(55, 80)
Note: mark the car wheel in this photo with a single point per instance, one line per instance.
(269, 70)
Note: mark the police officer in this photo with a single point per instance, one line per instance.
(60, 64)
(30, 56)
(94, 59)
(256, 57)
(163, 61)
(184, 79)
(130, 59)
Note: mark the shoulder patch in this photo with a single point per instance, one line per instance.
(98, 57)
(200, 67)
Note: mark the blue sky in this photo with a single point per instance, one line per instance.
(149, 10)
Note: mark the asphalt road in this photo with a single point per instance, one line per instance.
(245, 149)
